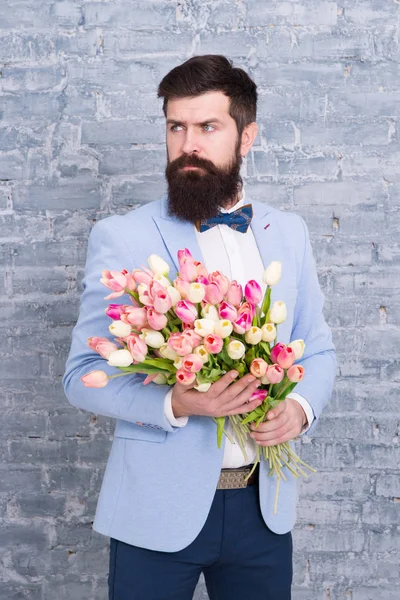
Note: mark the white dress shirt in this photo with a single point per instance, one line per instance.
(237, 256)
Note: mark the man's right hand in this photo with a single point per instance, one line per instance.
(222, 399)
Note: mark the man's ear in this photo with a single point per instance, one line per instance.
(248, 136)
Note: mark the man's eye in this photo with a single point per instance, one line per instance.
(208, 128)
(176, 127)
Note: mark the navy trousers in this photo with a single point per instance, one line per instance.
(241, 558)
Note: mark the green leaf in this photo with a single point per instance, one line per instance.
(220, 429)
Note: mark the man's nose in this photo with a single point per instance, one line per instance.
(191, 143)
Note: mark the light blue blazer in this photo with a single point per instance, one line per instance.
(160, 480)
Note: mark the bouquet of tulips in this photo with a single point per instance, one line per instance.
(193, 330)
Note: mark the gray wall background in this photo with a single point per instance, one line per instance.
(81, 137)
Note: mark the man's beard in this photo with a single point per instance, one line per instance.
(196, 195)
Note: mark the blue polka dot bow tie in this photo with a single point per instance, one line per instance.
(239, 220)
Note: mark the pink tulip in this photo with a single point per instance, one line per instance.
(184, 377)
(162, 301)
(136, 316)
(227, 311)
(286, 357)
(275, 351)
(202, 279)
(114, 311)
(155, 319)
(115, 281)
(221, 281)
(187, 266)
(194, 338)
(182, 286)
(214, 294)
(234, 294)
(142, 276)
(253, 292)
(258, 395)
(186, 311)
(275, 373)
(192, 363)
(244, 320)
(137, 347)
(102, 346)
(130, 281)
(258, 367)
(95, 379)
(213, 343)
(180, 343)
(295, 373)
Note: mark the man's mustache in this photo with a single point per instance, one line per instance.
(191, 160)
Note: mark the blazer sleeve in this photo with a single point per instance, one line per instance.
(124, 397)
(319, 358)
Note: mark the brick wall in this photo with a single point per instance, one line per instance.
(81, 137)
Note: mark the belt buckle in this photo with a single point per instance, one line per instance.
(233, 479)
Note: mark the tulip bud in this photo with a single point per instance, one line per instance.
(174, 295)
(120, 358)
(286, 358)
(236, 349)
(102, 346)
(95, 379)
(192, 363)
(278, 312)
(156, 320)
(298, 346)
(295, 373)
(258, 367)
(275, 351)
(158, 265)
(114, 311)
(160, 379)
(210, 312)
(186, 311)
(275, 373)
(258, 395)
(227, 311)
(197, 292)
(180, 343)
(234, 294)
(161, 280)
(268, 332)
(253, 292)
(204, 327)
(167, 352)
(202, 353)
(223, 328)
(213, 343)
(178, 362)
(214, 294)
(272, 273)
(120, 329)
(154, 339)
(253, 336)
(137, 347)
(136, 316)
(184, 377)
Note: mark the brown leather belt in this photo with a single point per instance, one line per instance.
(233, 479)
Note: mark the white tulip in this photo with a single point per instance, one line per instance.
(173, 294)
(202, 352)
(203, 387)
(204, 326)
(120, 329)
(268, 332)
(158, 264)
(154, 339)
(298, 346)
(178, 362)
(167, 352)
(278, 312)
(120, 358)
(272, 273)
(161, 280)
(235, 349)
(160, 379)
(223, 328)
(197, 291)
(210, 312)
(253, 336)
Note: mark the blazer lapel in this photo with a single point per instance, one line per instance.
(177, 234)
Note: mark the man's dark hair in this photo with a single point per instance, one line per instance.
(213, 73)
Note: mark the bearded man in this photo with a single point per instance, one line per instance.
(170, 501)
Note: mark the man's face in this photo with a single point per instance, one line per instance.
(204, 156)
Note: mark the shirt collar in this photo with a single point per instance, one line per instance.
(238, 204)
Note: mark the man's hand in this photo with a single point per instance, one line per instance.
(284, 423)
(223, 398)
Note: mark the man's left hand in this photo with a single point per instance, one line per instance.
(284, 423)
